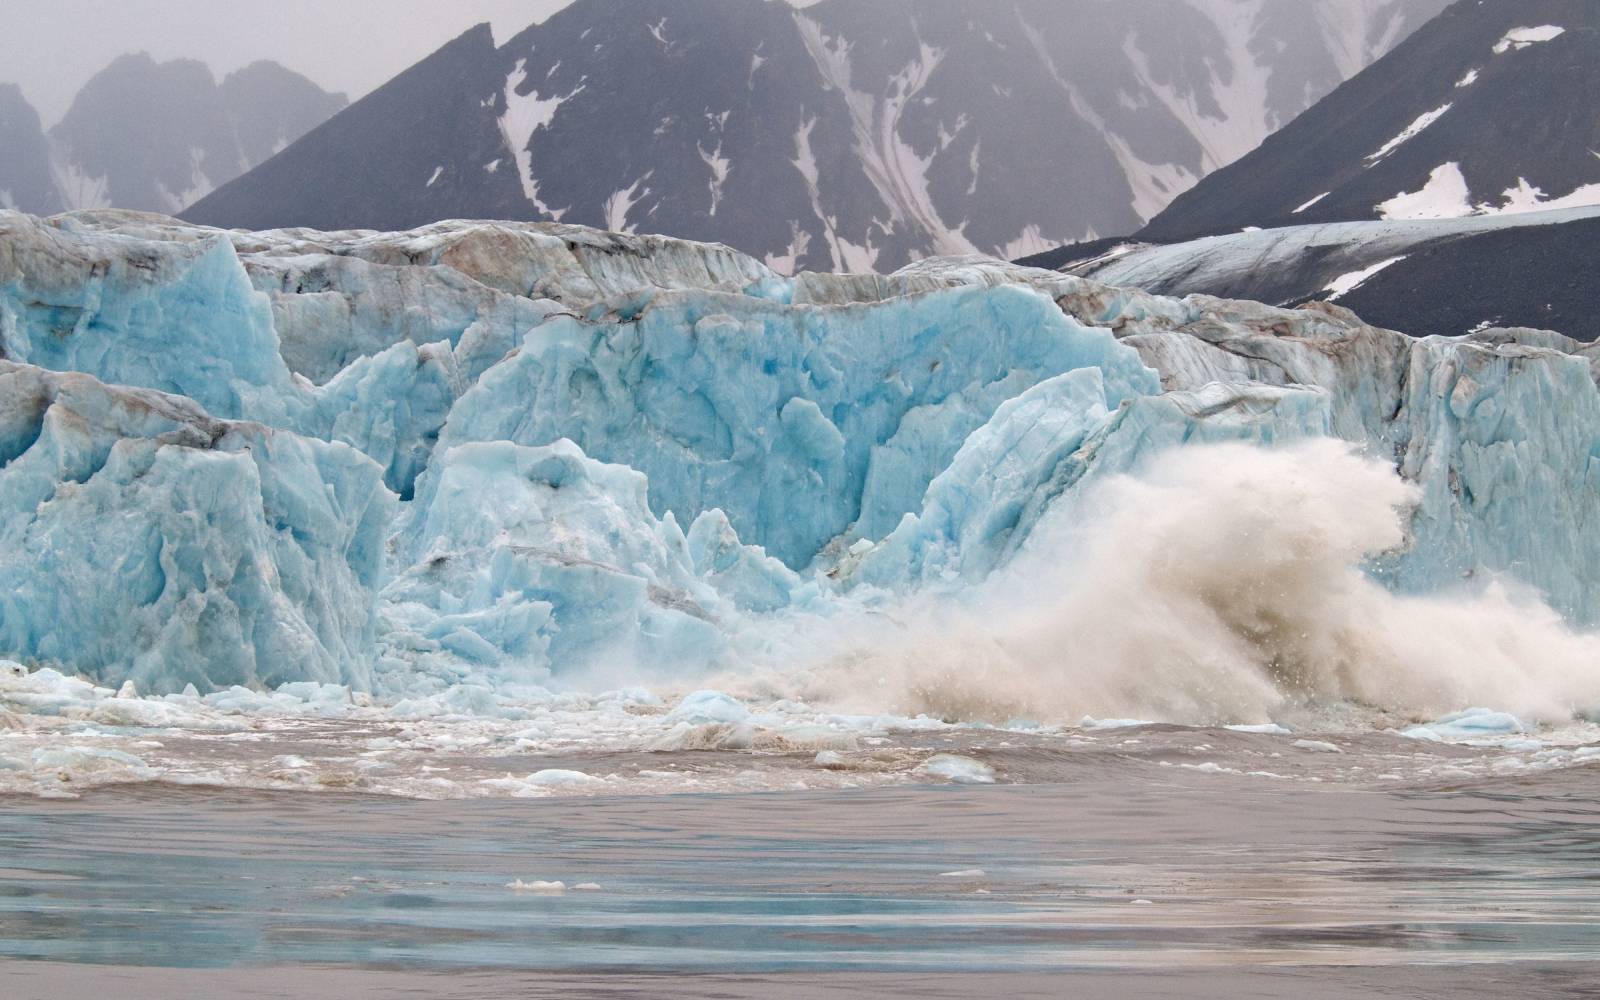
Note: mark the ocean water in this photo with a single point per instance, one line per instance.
(927, 853)
(1191, 740)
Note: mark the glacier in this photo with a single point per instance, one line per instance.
(482, 455)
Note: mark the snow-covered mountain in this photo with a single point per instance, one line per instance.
(844, 135)
(153, 136)
(1489, 109)
(1444, 189)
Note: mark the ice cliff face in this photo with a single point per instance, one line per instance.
(648, 455)
(146, 540)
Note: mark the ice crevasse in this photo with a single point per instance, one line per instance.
(518, 453)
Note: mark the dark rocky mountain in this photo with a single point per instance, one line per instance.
(156, 136)
(1452, 185)
(1489, 108)
(846, 135)
(25, 180)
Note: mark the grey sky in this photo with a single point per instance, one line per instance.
(51, 47)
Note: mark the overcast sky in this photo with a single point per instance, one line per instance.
(52, 47)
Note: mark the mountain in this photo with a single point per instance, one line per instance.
(1427, 277)
(25, 180)
(1439, 191)
(156, 136)
(1487, 109)
(844, 135)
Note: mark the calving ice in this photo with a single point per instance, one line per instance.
(503, 458)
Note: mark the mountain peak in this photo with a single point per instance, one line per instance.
(845, 136)
(1455, 122)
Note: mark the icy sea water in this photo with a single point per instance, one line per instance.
(1106, 870)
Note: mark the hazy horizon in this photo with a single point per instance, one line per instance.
(51, 48)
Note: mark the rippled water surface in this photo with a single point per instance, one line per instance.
(1117, 864)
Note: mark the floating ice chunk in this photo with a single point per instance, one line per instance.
(73, 762)
(829, 758)
(959, 769)
(537, 886)
(555, 777)
(1266, 729)
(709, 706)
(1473, 723)
(705, 736)
(1091, 723)
(965, 873)
(1317, 746)
(1210, 767)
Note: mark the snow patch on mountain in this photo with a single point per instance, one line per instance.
(1521, 38)
(1238, 120)
(524, 115)
(719, 166)
(1411, 131)
(1527, 198)
(621, 203)
(1444, 196)
(1347, 283)
(1312, 202)
(79, 190)
(896, 170)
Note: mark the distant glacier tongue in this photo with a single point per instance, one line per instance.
(472, 457)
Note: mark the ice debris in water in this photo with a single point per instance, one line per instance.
(959, 769)
(553, 888)
(709, 706)
(452, 465)
(1265, 729)
(1473, 723)
(1317, 746)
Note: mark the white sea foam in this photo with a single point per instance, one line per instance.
(1221, 586)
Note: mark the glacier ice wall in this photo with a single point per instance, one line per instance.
(529, 561)
(145, 540)
(802, 424)
(116, 307)
(522, 453)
